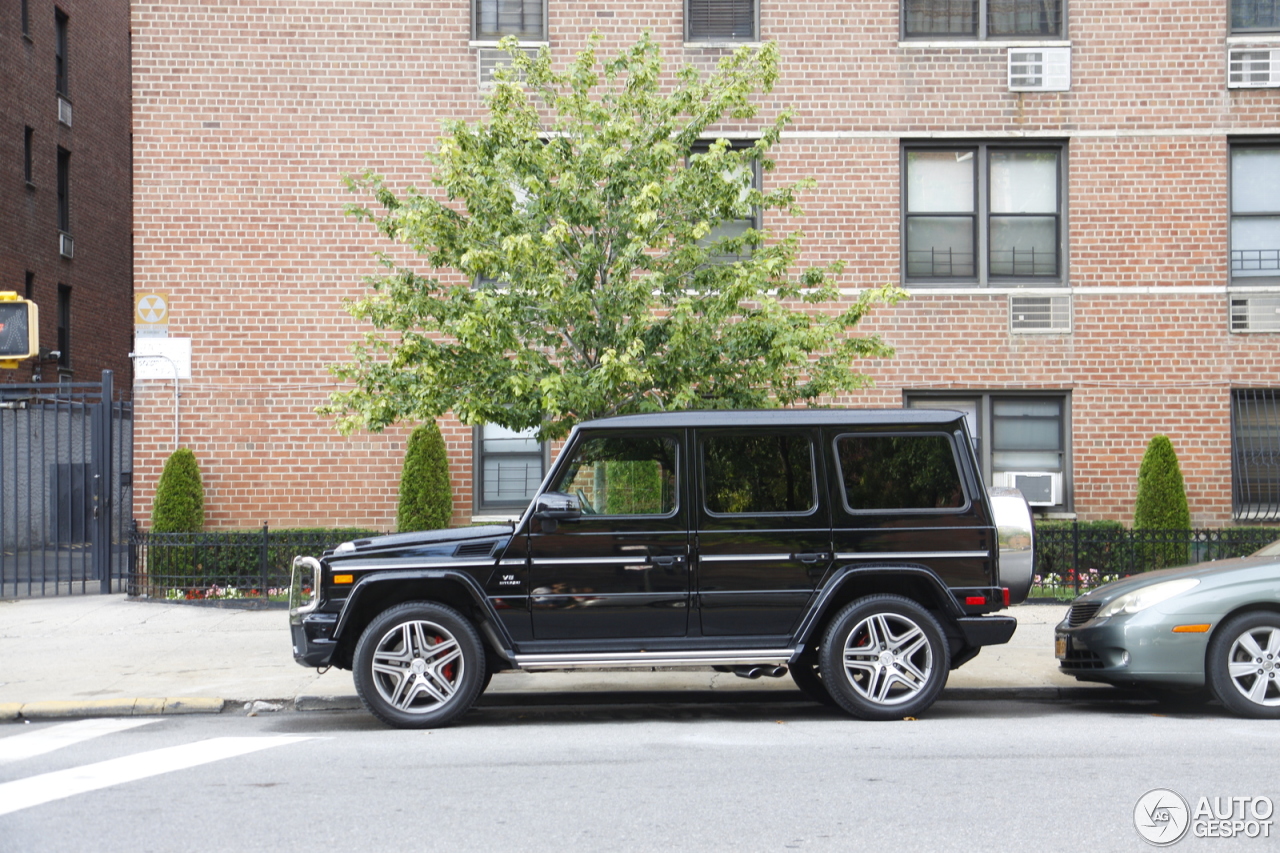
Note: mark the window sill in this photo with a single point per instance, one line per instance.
(994, 43)
(31, 186)
(522, 43)
(1261, 284)
(1255, 38)
(694, 45)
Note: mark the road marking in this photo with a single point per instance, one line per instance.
(36, 790)
(40, 741)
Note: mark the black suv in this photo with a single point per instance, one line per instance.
(855, 547)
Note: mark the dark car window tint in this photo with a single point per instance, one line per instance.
(623, 476)
(758, 473)
(899, 472)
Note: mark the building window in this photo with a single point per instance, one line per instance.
(26, 19)
(64, 190)
(64, 326)
(509, 468)
(1022, 439)
(982, 19)
(732, 228)
(29, 286)
(1255, 211)
(1255, 454)
(493, 19)
(28, 141)
(1007, 200)
(60, 50)
(720, 20)
(1255, 16)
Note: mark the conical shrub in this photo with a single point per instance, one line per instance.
(1161, 506)
(426, 497)
(179, 503)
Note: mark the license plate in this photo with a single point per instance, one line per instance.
(1061, 644)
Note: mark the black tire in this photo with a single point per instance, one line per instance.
(1243, 665)
(900, 658)
(806, 676)
(402, 679)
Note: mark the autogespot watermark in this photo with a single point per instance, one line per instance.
(1162, 817)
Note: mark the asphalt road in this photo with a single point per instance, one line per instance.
(746, 776)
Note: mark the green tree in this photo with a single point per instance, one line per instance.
(426, 499)
(179, 501)
(614, 272)
(1162, 504)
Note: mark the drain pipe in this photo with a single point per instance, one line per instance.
(176, 392)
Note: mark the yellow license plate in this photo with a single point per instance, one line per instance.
(1060, 647)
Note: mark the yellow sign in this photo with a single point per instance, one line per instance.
(151, 309)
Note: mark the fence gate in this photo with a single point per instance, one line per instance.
(66, 463)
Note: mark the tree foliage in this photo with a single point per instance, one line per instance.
(179, 501)
(594, 225)
(426, 497)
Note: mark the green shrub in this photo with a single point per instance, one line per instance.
(1161, 506)
(179, 503)
(426, 499)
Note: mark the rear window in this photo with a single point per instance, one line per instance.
(888, 472)
(758, 474)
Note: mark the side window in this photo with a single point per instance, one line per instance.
(888, 472)
(623, 476)
(758, 474)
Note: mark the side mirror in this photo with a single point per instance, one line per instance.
(553, 507)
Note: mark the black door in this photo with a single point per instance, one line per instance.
(764, 534)
(622, 570)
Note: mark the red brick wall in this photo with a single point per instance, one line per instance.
(100, 275)
(246, 115)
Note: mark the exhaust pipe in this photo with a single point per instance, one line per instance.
(758, 670)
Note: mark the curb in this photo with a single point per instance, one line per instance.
(138, 707)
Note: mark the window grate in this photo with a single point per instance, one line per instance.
(1255, 314)
(1253, 69)
(1043, 314)
(732, 20)
(1255, 454)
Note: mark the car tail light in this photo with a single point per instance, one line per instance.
(976, 600)
(1005, 590)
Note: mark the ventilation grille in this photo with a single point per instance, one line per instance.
(1253, 68)
(1041, 69)
(66, 246)
(489, 59)
(474, 549)
(64, 111)
(1255, 313)
(1049, 315)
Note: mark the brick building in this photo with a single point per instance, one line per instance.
(1083, 199)
(65, 206)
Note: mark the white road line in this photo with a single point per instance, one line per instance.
(36, 790)
(42, 740)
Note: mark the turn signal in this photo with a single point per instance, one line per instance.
(343, 578)
(1190, 629)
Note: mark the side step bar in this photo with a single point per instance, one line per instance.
(627, 660)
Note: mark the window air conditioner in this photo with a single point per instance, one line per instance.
(1040, 488)
(1039, 69)
(489, 59)
(1049, 315)
(64, 111)
(1253, 68)
(1255, 313)
(66, 246)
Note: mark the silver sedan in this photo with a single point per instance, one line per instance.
(1213, 625)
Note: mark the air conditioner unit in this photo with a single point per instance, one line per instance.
(1046, 315)
(1253, 68)
(64, 111)
(1039, 69)
(1040, 488)
(66, 246)
(489, 59)
(1255, 313)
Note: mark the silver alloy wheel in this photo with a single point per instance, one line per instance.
(1254, 665)
(417, 666)
(888, 659)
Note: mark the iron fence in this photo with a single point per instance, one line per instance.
(1072, 558)
(251, 567)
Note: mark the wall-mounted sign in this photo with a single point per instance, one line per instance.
(151, 315)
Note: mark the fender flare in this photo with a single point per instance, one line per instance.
(490, 627)
(843, 576)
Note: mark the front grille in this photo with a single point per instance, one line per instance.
(1082, 613)
(1080, 659)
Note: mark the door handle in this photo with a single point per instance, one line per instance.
(666, 560)
(811, 558)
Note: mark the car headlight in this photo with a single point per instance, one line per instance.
(1141, 599)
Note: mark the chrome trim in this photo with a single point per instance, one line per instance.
(607, 660)
(296, 608)
(911, 555)
(587, 561)
(747, 558)
(402, 563)
(514, 562)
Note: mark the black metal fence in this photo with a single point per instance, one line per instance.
(1074, 557)
(250, 567)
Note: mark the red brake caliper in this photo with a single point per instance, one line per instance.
(448, 668)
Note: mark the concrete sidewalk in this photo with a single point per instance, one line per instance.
(103, 654)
